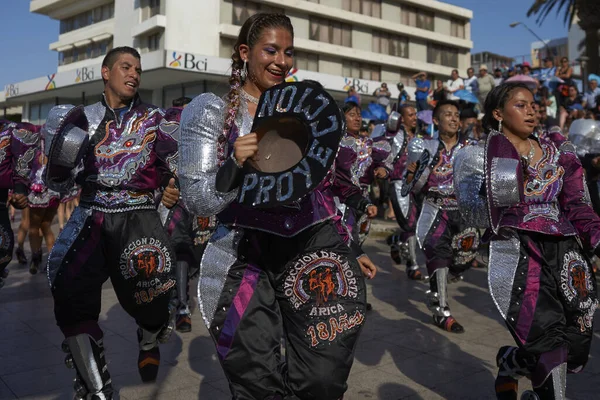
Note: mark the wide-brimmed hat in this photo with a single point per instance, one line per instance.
(483, 66)
(299, 128)
(66, 139)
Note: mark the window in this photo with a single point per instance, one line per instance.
(154, 7)
(417, 17)
(442, 55)
(355, 69)
(306, 61)
(371, 8)
(244, 9)
(92, 50)
(388, 43)
(328, 31)
(87, 18)
(154, 42)
(457, 28)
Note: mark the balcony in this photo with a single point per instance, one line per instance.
(48, 6)
(151, 25)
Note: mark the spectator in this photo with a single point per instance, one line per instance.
(454, 84)
(403, 95)
(423, 88)
(549, 69)
(525, 69)
(371, 126)
(485, 82)
(181, 102)
(547, 99)
(591, 94)
(471, 82)
(439, 93)
(571, 106)
(383, 95)
(511, 72)
(353, 96)
(498, 78)
(565, 71)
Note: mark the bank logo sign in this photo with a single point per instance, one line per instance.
(189, 62)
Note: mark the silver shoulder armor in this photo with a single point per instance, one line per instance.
(469, 178)
(201, 124)
(95, 114)
(415, 148)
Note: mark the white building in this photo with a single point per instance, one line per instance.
(186, 45)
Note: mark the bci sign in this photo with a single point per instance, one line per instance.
(190, 62)
(12, 90)
(361, 87)
(84, 74)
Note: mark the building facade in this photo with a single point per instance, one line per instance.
(186, 45)
(554, 48)
(491, 60)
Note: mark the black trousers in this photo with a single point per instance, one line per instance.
(7, 238)
(307, 289)
(131, 248)
(553, 300)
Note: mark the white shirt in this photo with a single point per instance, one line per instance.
(454, 86)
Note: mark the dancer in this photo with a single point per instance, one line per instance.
(359, 161)
(43, 205)
(17, 148)
(115, 232)
(449, 246)
(406, 208)
(539, 275)
(257, 256)
(179, 225)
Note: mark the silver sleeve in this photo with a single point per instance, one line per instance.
(469, 177)
(201, 124)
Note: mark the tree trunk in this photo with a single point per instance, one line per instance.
(591, 50)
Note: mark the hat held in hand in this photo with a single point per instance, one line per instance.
(299, 127)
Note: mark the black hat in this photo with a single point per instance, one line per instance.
(299, 128)
(66, 139)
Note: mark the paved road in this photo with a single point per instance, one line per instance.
(400, 355)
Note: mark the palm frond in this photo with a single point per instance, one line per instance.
(542, 8)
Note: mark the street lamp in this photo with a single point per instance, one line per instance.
(514, 24)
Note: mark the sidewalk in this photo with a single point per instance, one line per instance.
(400, 354)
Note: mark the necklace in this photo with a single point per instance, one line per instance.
(248, 97)
(530, 154)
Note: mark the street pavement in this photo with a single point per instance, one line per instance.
(401, 355)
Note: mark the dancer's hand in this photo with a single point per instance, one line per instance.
(411, 168)
(245, 147)
(18, 201)
(170, 194)
(380, 173)
(371, 211)
(369, 269)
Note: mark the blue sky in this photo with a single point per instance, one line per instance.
(26, 36)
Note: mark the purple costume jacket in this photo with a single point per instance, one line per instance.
(129, 156)
(18, 144)
(358, 158)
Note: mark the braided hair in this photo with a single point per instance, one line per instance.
(249, 34)
(497, 98)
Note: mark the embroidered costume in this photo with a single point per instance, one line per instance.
(119, 158)
(356, 162)
(449, 245)
(539, 275)
(406, 207)
(18, 143)
(269, 273)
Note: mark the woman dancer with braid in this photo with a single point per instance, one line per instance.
(257, 255)
(540, 277)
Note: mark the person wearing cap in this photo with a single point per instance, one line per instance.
(423, 87)
(485, 82)
(18, 145)
(449, 245)
(121, 151)
(403, 95)
(525, 68)
(549, 69)
(276, 266)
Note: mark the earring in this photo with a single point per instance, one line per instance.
(244, 72)
(500, 126)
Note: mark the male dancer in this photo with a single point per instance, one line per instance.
(406, 208)
(448, 246)
(116, 231)
(18, 143)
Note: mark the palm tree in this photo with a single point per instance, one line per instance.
(588, 13)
